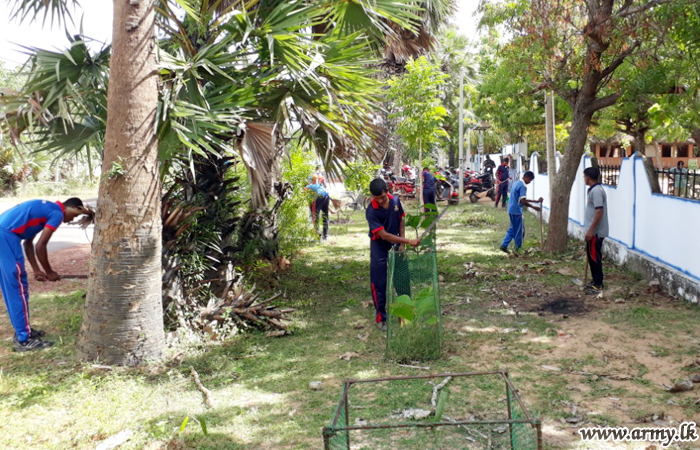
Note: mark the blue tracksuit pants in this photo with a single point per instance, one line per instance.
(378, 275)
(515, 232)
(429, 197)
(13, 281)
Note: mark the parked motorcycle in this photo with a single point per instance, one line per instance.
(404, 187)
(389, 178)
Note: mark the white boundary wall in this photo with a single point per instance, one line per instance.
(654, 229)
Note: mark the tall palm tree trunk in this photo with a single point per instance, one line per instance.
(123, 320)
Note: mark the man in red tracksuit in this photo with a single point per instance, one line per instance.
(385, 217)
(23, 223)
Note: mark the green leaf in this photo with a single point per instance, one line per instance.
(412, 221)
(402, 310)
(203, 423)
(184, 424)
(441, 403)
(428, 220)
(404, 299)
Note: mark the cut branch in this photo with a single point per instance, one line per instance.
(208, 400)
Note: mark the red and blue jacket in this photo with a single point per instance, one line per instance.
(388, 219)
(27, 219)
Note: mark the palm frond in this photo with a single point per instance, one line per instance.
(257, 149)
(58, 10)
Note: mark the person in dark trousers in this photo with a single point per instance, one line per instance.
(429, 182)
(502, 176)
(517, 200)
(18, 227)
(320, 206)
(489, 165)
(385, 217)
(596, 226)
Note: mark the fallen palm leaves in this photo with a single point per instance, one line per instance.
(243, 308)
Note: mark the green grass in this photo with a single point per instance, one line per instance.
(52, 400)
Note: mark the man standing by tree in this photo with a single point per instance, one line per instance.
(515, 210)
(23, 223)
(596, 224)
(429, 181)
(386, 229)
(502, 177)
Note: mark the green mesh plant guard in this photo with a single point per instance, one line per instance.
(413, 300)
(433, 412)
(413, 306)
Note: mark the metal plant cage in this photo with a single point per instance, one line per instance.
(414, 274)
(480, 411)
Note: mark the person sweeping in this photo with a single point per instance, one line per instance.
(517, 200)
(18, 228)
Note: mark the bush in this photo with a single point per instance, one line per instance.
(295, 228)
(358, 175)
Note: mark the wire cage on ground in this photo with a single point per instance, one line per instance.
(471, 411)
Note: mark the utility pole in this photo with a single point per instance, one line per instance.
(550, 134)
(461, 132)
(469, 132)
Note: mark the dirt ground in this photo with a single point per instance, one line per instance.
(71, 263)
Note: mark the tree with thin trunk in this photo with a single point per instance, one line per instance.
(575, 47)
(123, 320)
(416, 97)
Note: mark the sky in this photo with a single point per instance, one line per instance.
(97, 24)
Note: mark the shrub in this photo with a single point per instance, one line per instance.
(358, 175)
(295, 229)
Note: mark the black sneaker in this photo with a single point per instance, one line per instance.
(504, 249)
(36, 333)
(33, 343)
(593, 289)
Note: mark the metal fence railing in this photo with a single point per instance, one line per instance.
(679, 182)
(609, 175)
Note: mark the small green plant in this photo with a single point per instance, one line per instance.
(421, 222)
(420, 309)
(117, 169)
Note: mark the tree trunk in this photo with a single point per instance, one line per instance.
(564, 180)
(695, 134)
(123, 321)
(639, 141)
(397, 161)
(651, 175)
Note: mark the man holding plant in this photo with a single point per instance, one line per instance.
(387, 229)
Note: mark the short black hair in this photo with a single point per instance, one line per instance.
(377, 186)
(592, 173)
(679, 163)
(425, 168)
(529, 174)
(73, 202)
